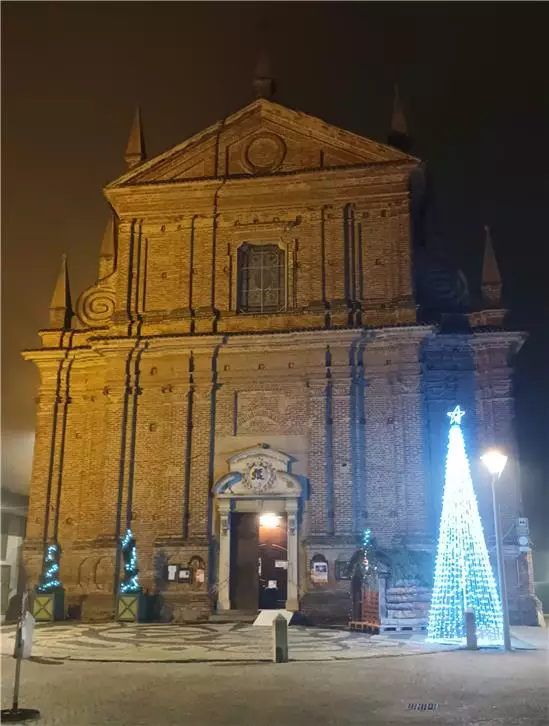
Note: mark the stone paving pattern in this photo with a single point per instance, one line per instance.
(224, 642)
(208, 642)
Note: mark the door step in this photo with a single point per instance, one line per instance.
(233, 616)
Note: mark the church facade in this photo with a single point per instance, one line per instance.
(251, 381)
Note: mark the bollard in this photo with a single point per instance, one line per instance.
(471, 629)
(280, 639)
(22, 650)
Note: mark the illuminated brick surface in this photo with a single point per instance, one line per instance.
(160, 379)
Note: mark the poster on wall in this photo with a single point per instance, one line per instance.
(172, 572)
(185, 574)
(319, 573)
(200, 576)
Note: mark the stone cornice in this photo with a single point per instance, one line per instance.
(353, 171)
(479, 340)
(496, 339)
(242, 342)
(287, 189)
(265, 341)
(54, 355)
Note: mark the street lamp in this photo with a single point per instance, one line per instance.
(495, 462)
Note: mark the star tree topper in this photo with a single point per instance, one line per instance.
(455, 416)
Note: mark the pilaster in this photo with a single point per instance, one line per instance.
(320, 459)
(409, 445)
(53, 365)
(203, 273)
(203, 408)
(342, 471)
(292, 601)
(223, 597)
(496, 413)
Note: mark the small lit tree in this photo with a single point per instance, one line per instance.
(49, 579)
(397, 562)
(130, 583)
(368, 559)
(49, 601)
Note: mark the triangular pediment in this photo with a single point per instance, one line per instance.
(263, 138)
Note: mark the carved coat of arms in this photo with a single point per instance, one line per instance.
(259, 476)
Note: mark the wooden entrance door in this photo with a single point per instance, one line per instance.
(244, 584)
(273, 555)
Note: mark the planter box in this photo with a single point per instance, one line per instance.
(130, 608)
(49, 606)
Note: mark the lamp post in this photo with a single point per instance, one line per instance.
(495, 462)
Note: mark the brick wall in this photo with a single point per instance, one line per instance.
(363, 413)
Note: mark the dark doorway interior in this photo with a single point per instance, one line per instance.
(259, 561)
(244, 586)
(273, 561)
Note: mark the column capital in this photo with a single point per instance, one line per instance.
(224, 506)
(291, 506)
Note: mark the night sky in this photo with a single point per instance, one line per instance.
(474, 84)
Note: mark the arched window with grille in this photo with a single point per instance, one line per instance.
(261, 278)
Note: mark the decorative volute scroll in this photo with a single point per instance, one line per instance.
(259, 472)
(95, 306)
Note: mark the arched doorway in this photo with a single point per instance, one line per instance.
(258, 503)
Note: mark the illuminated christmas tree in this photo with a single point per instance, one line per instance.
(463, 574)
(130, 583)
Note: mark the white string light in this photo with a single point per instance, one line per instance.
(130, 583)
(463, 574)
(49, 581)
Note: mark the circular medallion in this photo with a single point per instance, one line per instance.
(265, 152)
(259, 476)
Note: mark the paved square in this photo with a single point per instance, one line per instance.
(470, 689)
(206, 642)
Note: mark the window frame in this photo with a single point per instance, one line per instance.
(275, 232)
(244, 264)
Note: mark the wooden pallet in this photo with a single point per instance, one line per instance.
(408, 628)
(364, 626)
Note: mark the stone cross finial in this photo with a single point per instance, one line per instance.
(135, 151)
(398, 119)
(107, 251)
(398, 135)
(491, 279)
(263, 84)
(61, 311)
